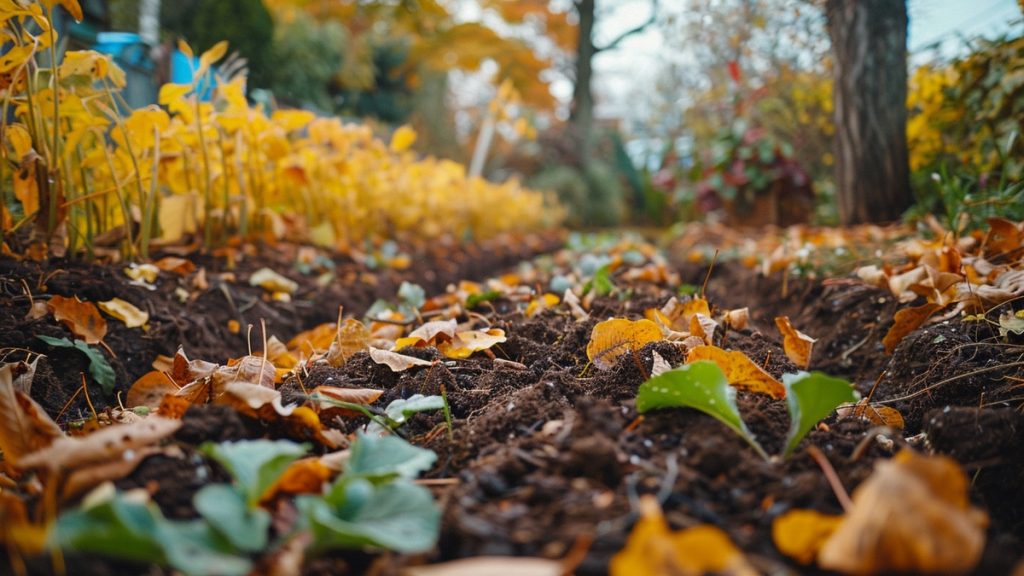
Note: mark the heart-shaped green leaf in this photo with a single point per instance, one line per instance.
(810, 397)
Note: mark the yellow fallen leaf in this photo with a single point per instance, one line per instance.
(874, 413)
(464, 344)
(542, 302)
(797, 345)
(125, 312)
(800, 534)
(272, 281)
(313, 340)
(429, 334)
(403, 137)
(613, 338)
(150, 389)
(147, 273)
(911, 516)
(906, 321)
(654, 550)
(351, 337)
(740, 370)
(82, 318)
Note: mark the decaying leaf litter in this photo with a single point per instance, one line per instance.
(521, 393)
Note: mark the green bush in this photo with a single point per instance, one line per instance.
(593, 197)
(306, 56)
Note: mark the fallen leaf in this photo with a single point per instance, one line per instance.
(150, 389)
(176, 265)
(464, 344)
(573, 302)
(24, 425)
(875, 413)
(654, 550)
(397, 362)
(104, 445)
(351, 338)
(912, 515)
(272, 281)
(737, 319)
(125, 312)
(543, 302)
(906, 321)
(315, 339)
(800, 534)
(82, 318)
(740, 370)
(37, 310)
(145, 273)
(490, 566)
(328, 409)
(797, 345)
(659, 365)
(305, 476)
(429, 334)
(1010, 321)
(248, 369)
(613, 338)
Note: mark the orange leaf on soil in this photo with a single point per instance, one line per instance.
(429, 334)
(24, 425)
(613, 338)
(874, 413)
(906, 321)
(351, 337)
(911, 516)
(466, 343)
(305, 476)
(327, 409)
(176, 265)
(740, 370)
(150, 389)
(653, 549)
(82, 318)
(798, 346)
(397, 362)
(800, 534)
(314, 340)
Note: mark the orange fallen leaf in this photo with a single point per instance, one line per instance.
(82, 318)
(613, 338)
(150, 389)
(797, 345)
(800, 534)
(874, 413)
(397, 362)
(179, 266)
(464, 344)
(305, 476)
(740, 370)
(351, 337)
(543, 302)
(911, 516)
(654, 550)
(429, 334)
(315, 339)
(906, 321)
(327, 409)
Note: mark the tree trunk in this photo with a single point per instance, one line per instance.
(869, 45)
(582, 112)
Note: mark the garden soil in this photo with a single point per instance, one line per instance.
(548, 456)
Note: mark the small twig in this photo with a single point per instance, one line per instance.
(833, 479)
(87, 399)
(951, 379)
(438, 481)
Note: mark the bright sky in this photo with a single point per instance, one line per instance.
(636, 63)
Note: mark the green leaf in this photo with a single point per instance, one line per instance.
(99, 368)
(474, 300)
(255, 464)
(810, 398)
(701, 385)
(412, 295)
(601, 283)
(117, 528)
(399, 410)
(225, 509)
(398, 516)
(196, 549)
(383, 457)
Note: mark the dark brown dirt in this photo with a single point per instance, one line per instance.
(551, 457)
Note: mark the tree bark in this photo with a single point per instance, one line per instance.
(869, 45)
(582, 114)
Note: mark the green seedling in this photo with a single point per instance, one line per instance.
(99, 368)
(702, 385)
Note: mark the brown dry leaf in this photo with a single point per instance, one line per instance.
(351, 338)
(912, 515)
(173, 407)
(150, 389)
(906, 321)
(314, 340)
(82, 318)
(464, 344)
(397, 362)
(250, 399)
(703, 327)
(654, 550)
(279, 355)
(17, 530)
(429, 334)
(874, 413)
(797, 345)
(740, 370)
(573, 302)
(613, 338)
(327, 410)
(85, 479)
(248, 369)
(1004, 236)
(659, 365)
(490, 566)
(800, 534)
(126, 312)
(176, 265)
(25, 427)
(104, 445)
(24, 374)
(737, 319)
(184, 370)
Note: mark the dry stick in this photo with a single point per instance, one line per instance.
(707, 277)
(87, 399)
(949, 380)
(833, 479)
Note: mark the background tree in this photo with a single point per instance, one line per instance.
(869, 47)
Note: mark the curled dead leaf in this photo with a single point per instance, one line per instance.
(465, 343)
(104, 445)
(875, 413)
(82, 318)
(351, 338)
(906, 321)
(740, 370)
(912, 515)
(797, 345)
(25, 428)
(613, 338)
(125, 312)
(800, 534)
(397, 362)
(323, 396)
